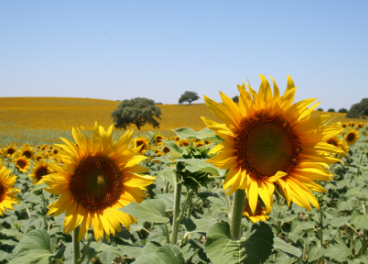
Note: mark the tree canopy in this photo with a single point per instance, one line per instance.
(188, 97)
(343, 110)
(138, 111)
(359, 110)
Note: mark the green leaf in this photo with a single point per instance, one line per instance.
(359, 220)
(315, 251)
(168, 174)
(254, 247)
(33, 248)
(167, 254)
(172, 146)
(338, 251)
(149, 210)
(339, 221)
(131, 251)
(194, 165)
(202, 224)
(186, 133)
(280, 244)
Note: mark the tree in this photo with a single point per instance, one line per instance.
(359, 110)
(188, 97)
(319, 109)
(343, 110)
(331, 110)
(235, 99)
(138, 111)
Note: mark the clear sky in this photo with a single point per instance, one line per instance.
(160, 49)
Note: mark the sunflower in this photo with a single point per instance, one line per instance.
(143, 143)
(198, 144)
(165, 150)
(344, 125)
(10, 150)
(268, 142)
(39, 171)
(259, 215)
(22, 163)
(38, 157)
(351, 136)
(360, 125)
(55, 151)
(7, 193)
(184, 142)
(27, 152)
(207, 142)
(158, 139)
(338, 142)
(352, 124)
(97, 177)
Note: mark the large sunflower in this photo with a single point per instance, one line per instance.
(7, 193)
(270, 141)
(97, 178)
(22, 163)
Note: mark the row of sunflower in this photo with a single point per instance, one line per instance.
(183, 199)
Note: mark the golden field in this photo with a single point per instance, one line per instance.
(45, 119)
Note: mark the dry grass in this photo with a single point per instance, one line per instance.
(45, 119)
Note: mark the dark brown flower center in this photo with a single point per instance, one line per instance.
(27, 153)
(2, 192)
(11, 151)
(96, 183)
(21, 163)
(332, 141)
(40, 172)
(265, 145)
(350, 137)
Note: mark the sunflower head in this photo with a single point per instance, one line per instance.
(158, 138)
(27, 152)
(10, 150)
(351, 136)
(352, 124)
(344, 125)
(269, 141)
(199, 144)
(259, 215)
(95, 179)
(22, 163)
(41, 169)
(360, 125)
(165, 150)
(7, 193)
(143, 143)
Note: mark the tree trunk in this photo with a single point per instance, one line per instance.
(138, 126)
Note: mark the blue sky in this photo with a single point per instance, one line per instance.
(160, 49)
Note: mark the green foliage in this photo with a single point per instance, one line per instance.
(253, 247)
(188, 97)
(138, 111)
(319, 109)
(359, 110)
(343, 110)
(332, 110)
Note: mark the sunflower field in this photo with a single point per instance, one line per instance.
(265, 180)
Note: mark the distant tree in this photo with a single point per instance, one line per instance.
(138, 111)
(235, 99)
(359, 110)
(343, 110)
(331, 110)
(188, 97)
(319, 109)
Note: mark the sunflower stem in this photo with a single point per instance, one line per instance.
(44, 209)
(365, 234)
(85, 250)
(321, 230)
(176, 209)
(76, 249)
(237, 214)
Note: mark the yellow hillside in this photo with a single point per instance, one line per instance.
(46, 118)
